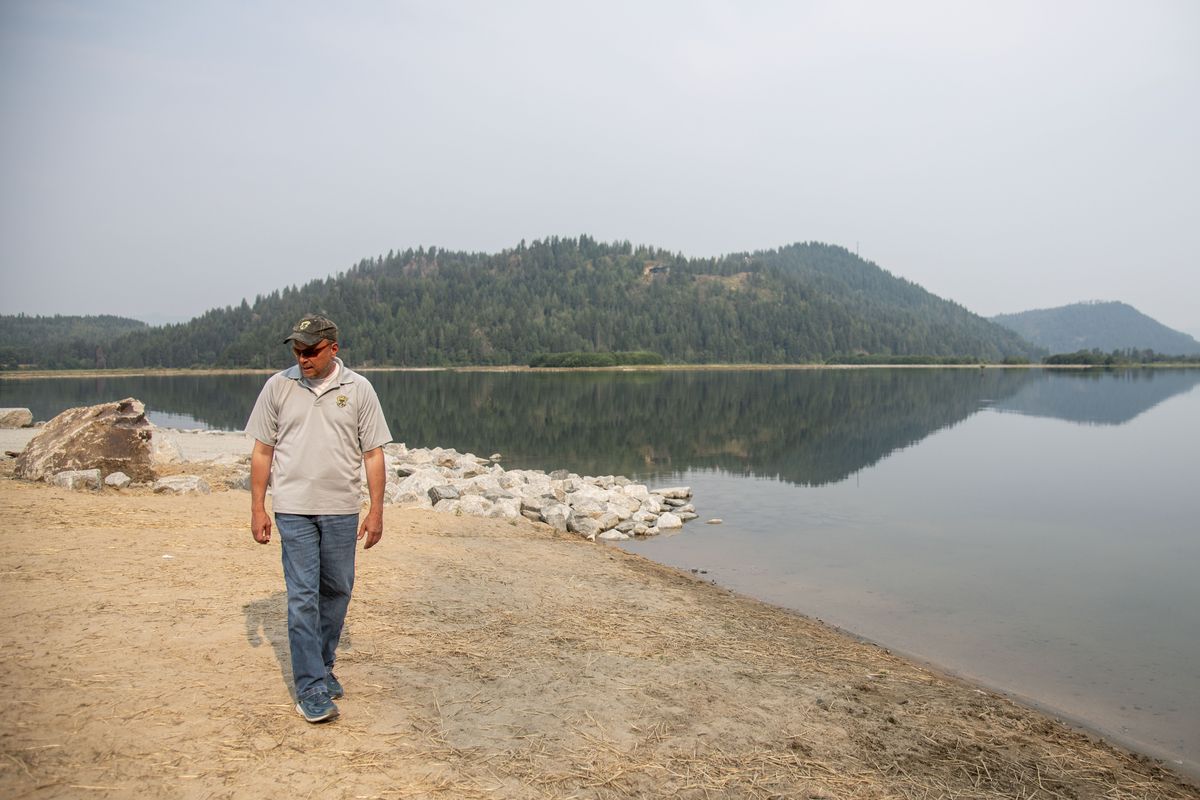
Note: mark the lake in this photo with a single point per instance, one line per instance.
(1032, 530)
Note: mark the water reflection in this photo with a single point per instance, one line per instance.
(806, 427)
(1102, 397)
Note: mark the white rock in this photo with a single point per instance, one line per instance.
(586, 506)
(588, 492)
(506, 509)
(714, 521)
(608, 520)
(448, 507)
(623, 512)
(117, 480)
(471, 470)
(675, 492)
(77, 479)
(483, 486)
(584, 526)
(612, 536)
(409, 499)
(421, 481)
(637, 491)
(474, 505)
(669, 521)
(182, 484)
(557, 516)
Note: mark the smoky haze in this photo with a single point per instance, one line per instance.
(160, 159)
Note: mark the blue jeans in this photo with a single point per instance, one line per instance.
(318, 568)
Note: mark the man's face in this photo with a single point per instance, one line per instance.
(315, 361)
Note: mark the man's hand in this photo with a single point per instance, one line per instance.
(260, 525)
(371, 527)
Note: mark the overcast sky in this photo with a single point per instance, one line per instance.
(159, 159)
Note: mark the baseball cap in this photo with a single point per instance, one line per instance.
(312, 329)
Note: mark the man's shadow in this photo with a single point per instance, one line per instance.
(266, 621)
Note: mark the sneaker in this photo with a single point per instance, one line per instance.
(316, 707)
(334, 686)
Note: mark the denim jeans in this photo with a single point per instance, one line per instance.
(318, 568)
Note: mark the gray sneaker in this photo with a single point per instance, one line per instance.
(317, 707)
(334, 686)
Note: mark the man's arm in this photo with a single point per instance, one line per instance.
(372, 524)
(260, 471)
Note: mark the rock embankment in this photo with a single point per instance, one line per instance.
(609, 507)
(606, 507)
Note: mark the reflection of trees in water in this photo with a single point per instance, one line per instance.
(1098, 396)
(802, 426)
(219, 401)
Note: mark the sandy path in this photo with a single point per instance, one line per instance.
(145, 655)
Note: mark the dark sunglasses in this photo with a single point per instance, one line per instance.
(311, 352)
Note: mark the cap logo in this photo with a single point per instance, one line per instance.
(304, 325)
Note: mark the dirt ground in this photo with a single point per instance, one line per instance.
(145, 655)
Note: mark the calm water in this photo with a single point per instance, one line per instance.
(1036, 531)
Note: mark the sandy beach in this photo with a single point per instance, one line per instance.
(146, 656)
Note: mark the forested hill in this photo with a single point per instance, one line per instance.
(800, 303)
(59, 342)
(1103, 326)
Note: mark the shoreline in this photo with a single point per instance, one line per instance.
(206, 453)
(180, 371)
(528, 641)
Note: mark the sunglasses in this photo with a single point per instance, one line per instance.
(311, 352)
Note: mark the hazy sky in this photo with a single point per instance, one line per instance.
(159, 159)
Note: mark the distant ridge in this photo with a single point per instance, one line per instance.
(1101, 325)
(59, 341)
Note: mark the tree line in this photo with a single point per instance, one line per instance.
(428, 307)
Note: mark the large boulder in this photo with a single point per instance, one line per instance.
(110, 437)
(15, 417)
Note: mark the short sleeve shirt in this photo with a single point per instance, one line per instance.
(319, 439)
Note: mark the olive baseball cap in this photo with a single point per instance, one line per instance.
(312, 329)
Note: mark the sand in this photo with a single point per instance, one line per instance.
(145, 655)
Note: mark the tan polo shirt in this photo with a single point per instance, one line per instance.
(318, 439)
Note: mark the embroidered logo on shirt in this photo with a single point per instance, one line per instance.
(341, 400)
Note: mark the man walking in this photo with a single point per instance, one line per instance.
(314, 425)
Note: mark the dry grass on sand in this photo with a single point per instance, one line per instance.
(145, 655)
